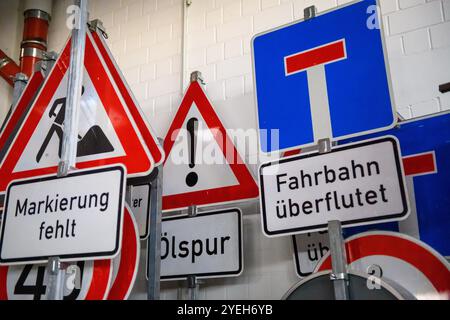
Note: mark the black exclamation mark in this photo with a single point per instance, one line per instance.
(192, 126)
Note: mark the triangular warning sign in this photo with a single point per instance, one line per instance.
(10, 125)
(107, 133)
(202, 164)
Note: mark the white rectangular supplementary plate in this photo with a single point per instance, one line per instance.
(77, 217)
(358, 184)
(140, 207)
(208, 245)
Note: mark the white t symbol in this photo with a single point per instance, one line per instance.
(313, 61)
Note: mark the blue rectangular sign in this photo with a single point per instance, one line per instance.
(425, 148)
(326, 77)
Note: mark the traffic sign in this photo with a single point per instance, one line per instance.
(140, 207)
(319, 287)
(9, 128)
(146, 131)
(357, 184)
(107, 132)
(202, 164)
(208, 245)
(84, 280)
(308, 249)
(425, 146)
(400, 258)
(126, 264)
(311, 78)
(71, 217)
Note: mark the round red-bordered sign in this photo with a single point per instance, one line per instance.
(400, 258)
(125, 265)
(95, 286)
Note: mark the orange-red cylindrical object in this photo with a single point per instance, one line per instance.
(8, 68)
(34, 42)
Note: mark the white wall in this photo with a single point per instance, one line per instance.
(11, 26)
(145, 37)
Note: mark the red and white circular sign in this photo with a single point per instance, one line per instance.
(125, 265)
(84, 280)
(405, 260)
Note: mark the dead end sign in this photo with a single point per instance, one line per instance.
(358, 184)
(108, 133)
(75, 217)
(308, 74)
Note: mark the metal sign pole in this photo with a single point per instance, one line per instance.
(56, 274)
(154, 238)
(70, 136)
(337, 246)
(75, 81)
(338, 260)
(192, 283)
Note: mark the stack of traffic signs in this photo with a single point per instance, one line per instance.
(317, 82)
(114, 142)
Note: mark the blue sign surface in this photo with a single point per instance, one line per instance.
(355, 82)
(429, 136)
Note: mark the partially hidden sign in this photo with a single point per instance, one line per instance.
(75, 217)
(84, 280)
(140, 207)
(397, 257)
(202, 164)
(126, 264)
(10, 125)
(358, 184)
(107, 131)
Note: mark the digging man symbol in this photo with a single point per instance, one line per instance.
(93, 142)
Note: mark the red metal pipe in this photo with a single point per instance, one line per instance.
(34, 42)
(8, 68)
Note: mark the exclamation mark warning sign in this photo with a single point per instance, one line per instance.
(192, 129)
(202, 164)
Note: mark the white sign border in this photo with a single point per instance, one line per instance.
(210, 275)
(68, 257)
(149, 200)
(350, 223)
(388, 76)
